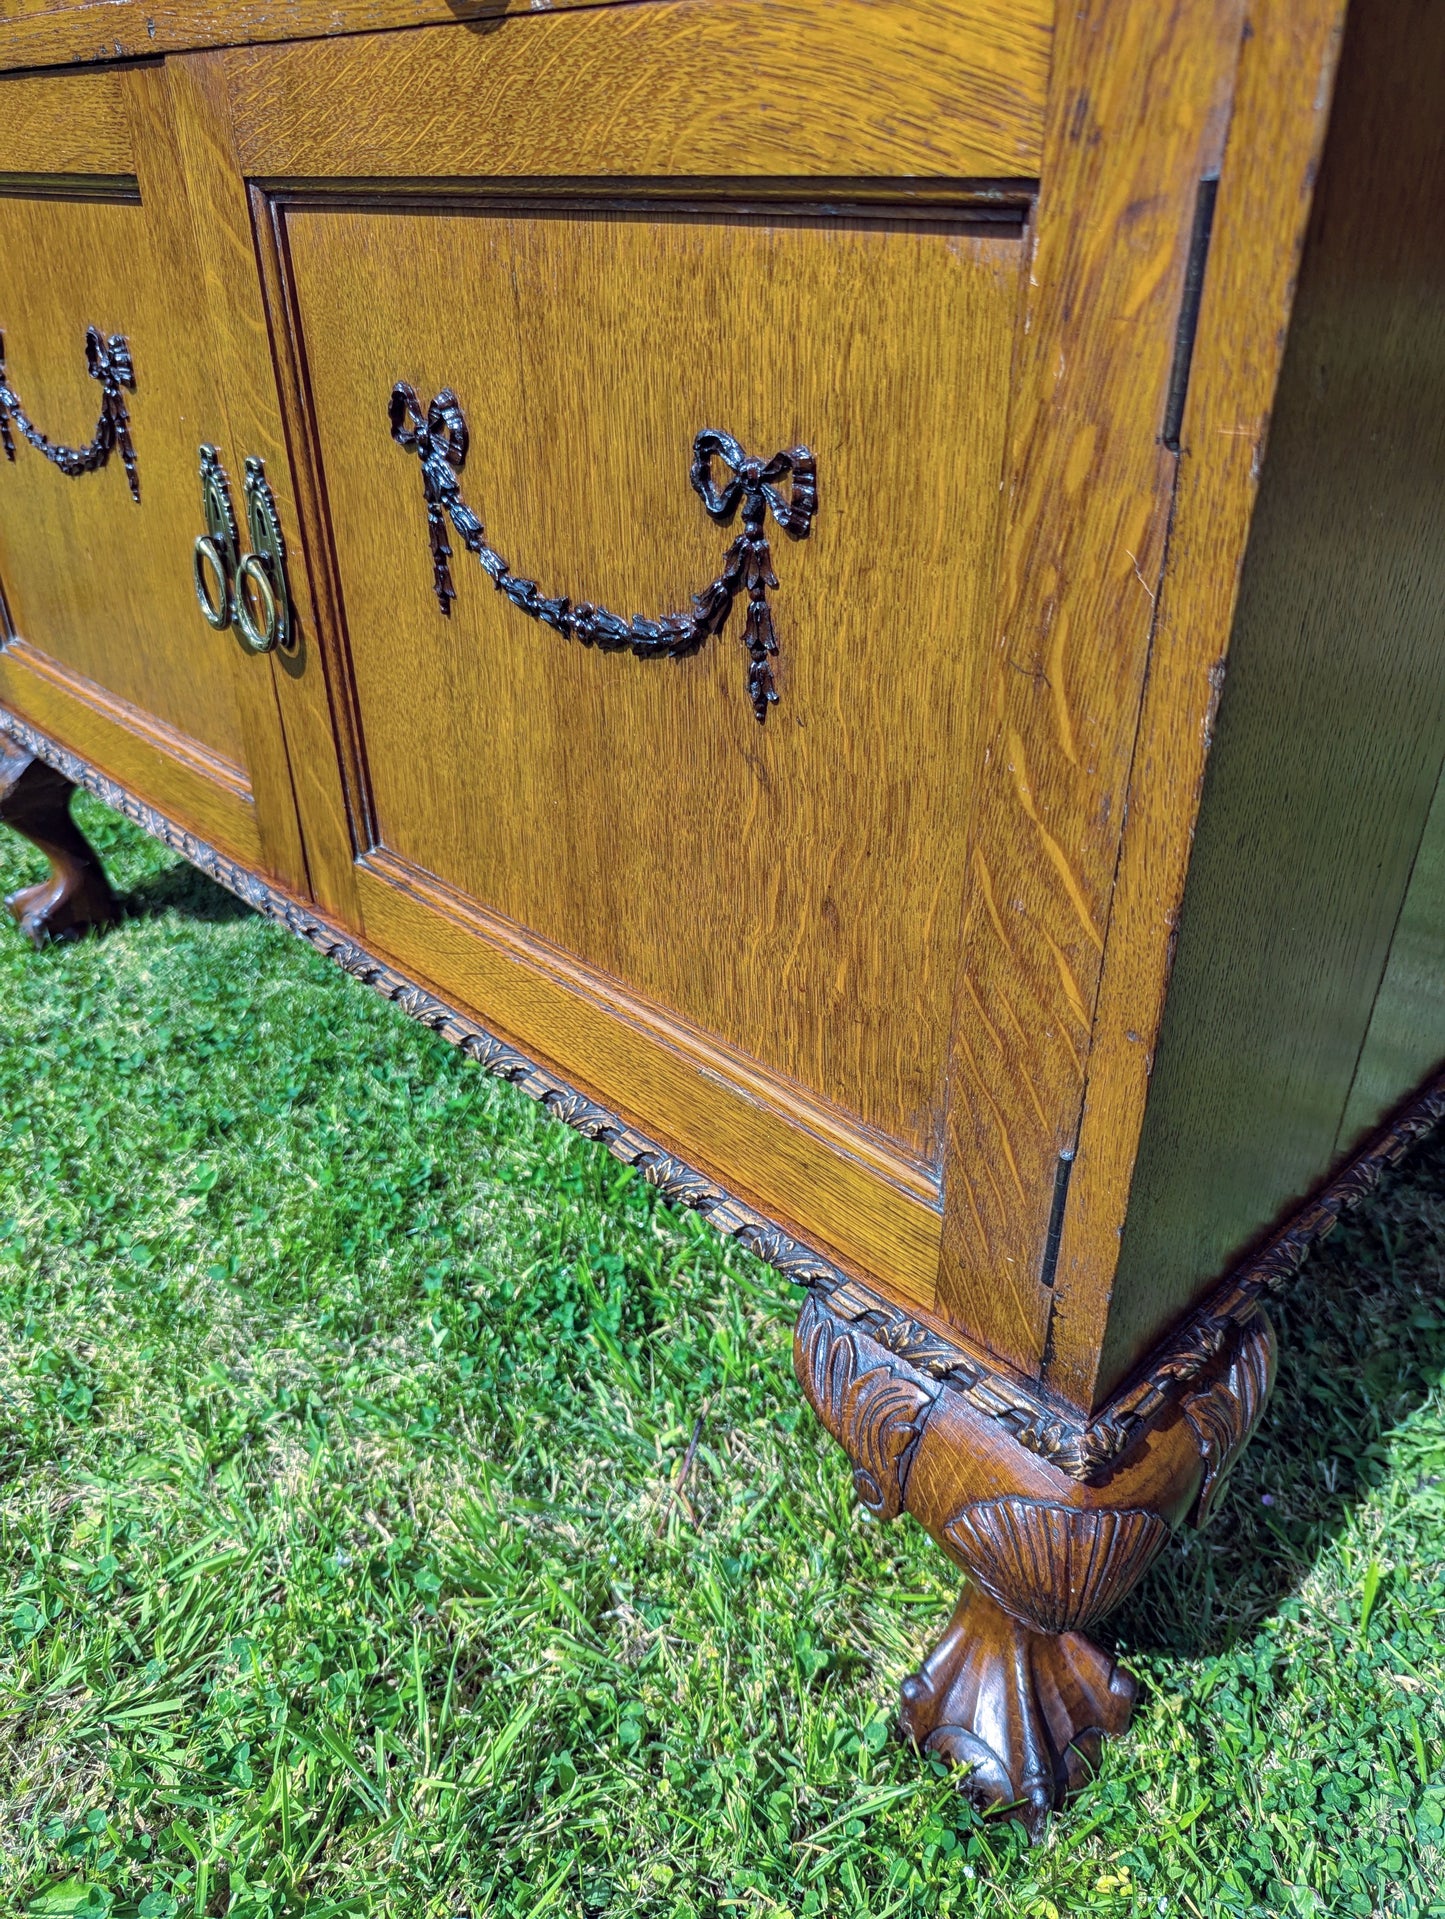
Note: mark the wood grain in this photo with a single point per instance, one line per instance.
(913, 938)
(701, 1051)
(780, 887)
(841, 1204)
(146, 726)
(70, 124)
(1135, 118)
(191, 382)
(38, 33)
(1332, 726)
(866, 89)
(92, 578)
(98, 584)
(141, 757)
(246, 382)
(1281, 102)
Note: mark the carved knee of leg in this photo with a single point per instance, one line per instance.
(1052, 1532)
(35, 800)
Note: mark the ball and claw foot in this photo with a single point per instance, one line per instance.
(35, 800)
(1024, 1711)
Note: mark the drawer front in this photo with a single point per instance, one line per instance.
(107, 366)
(686, 816)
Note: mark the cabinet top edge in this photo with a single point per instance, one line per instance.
(42, 35)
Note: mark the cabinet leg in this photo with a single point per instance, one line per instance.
(1022, 1711)
(35, 800)
(1013, 1693)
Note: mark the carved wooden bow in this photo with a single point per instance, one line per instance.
(438, 436)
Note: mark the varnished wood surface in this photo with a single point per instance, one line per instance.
(784, 887)
(1332, 726)
(246, 390)
(951, 866)
(64, 124)
(1014, 1692)
(23, 658)
(146, 756)
(99, 585)
(753, 1088)
(1406, 1036)
(1253, 260)
(37, 33)
(1137, 112)
(763, 1149)
(901, 88)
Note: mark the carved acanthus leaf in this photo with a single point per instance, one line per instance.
(1224, 1413)
(873, 1408)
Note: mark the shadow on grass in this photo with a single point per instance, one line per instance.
(1362, 1346)
(182, 890)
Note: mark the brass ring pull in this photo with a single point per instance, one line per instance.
(215, 611)
(257, 635)
(251, 594)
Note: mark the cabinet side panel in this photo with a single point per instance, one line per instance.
(1407, 1028)
(1332, 725)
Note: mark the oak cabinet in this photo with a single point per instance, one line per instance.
(109, 357)
(752, 503)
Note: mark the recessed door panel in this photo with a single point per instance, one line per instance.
(109, 393)
(788, 887)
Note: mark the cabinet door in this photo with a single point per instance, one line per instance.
(648, 372)
(110, 394)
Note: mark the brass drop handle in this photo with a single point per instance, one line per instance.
(217, 551)
(250, 592)
(257, 608)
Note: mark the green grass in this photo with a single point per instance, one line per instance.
(344, 1567)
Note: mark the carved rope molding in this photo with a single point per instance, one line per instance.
(107, 360)
(439, 438)
(1083, 1449)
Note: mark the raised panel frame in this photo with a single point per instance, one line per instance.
(98, 140)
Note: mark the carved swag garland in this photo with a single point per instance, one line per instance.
(107, 360)
(439, 438)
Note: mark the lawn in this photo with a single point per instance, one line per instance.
(345, 1565)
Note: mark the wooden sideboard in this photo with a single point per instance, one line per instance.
(695, 545)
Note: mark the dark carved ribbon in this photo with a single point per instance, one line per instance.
(439, 439)
(109, 361)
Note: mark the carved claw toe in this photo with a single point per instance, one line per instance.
(35, 800)
(55, 909)
(1023, 1711)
